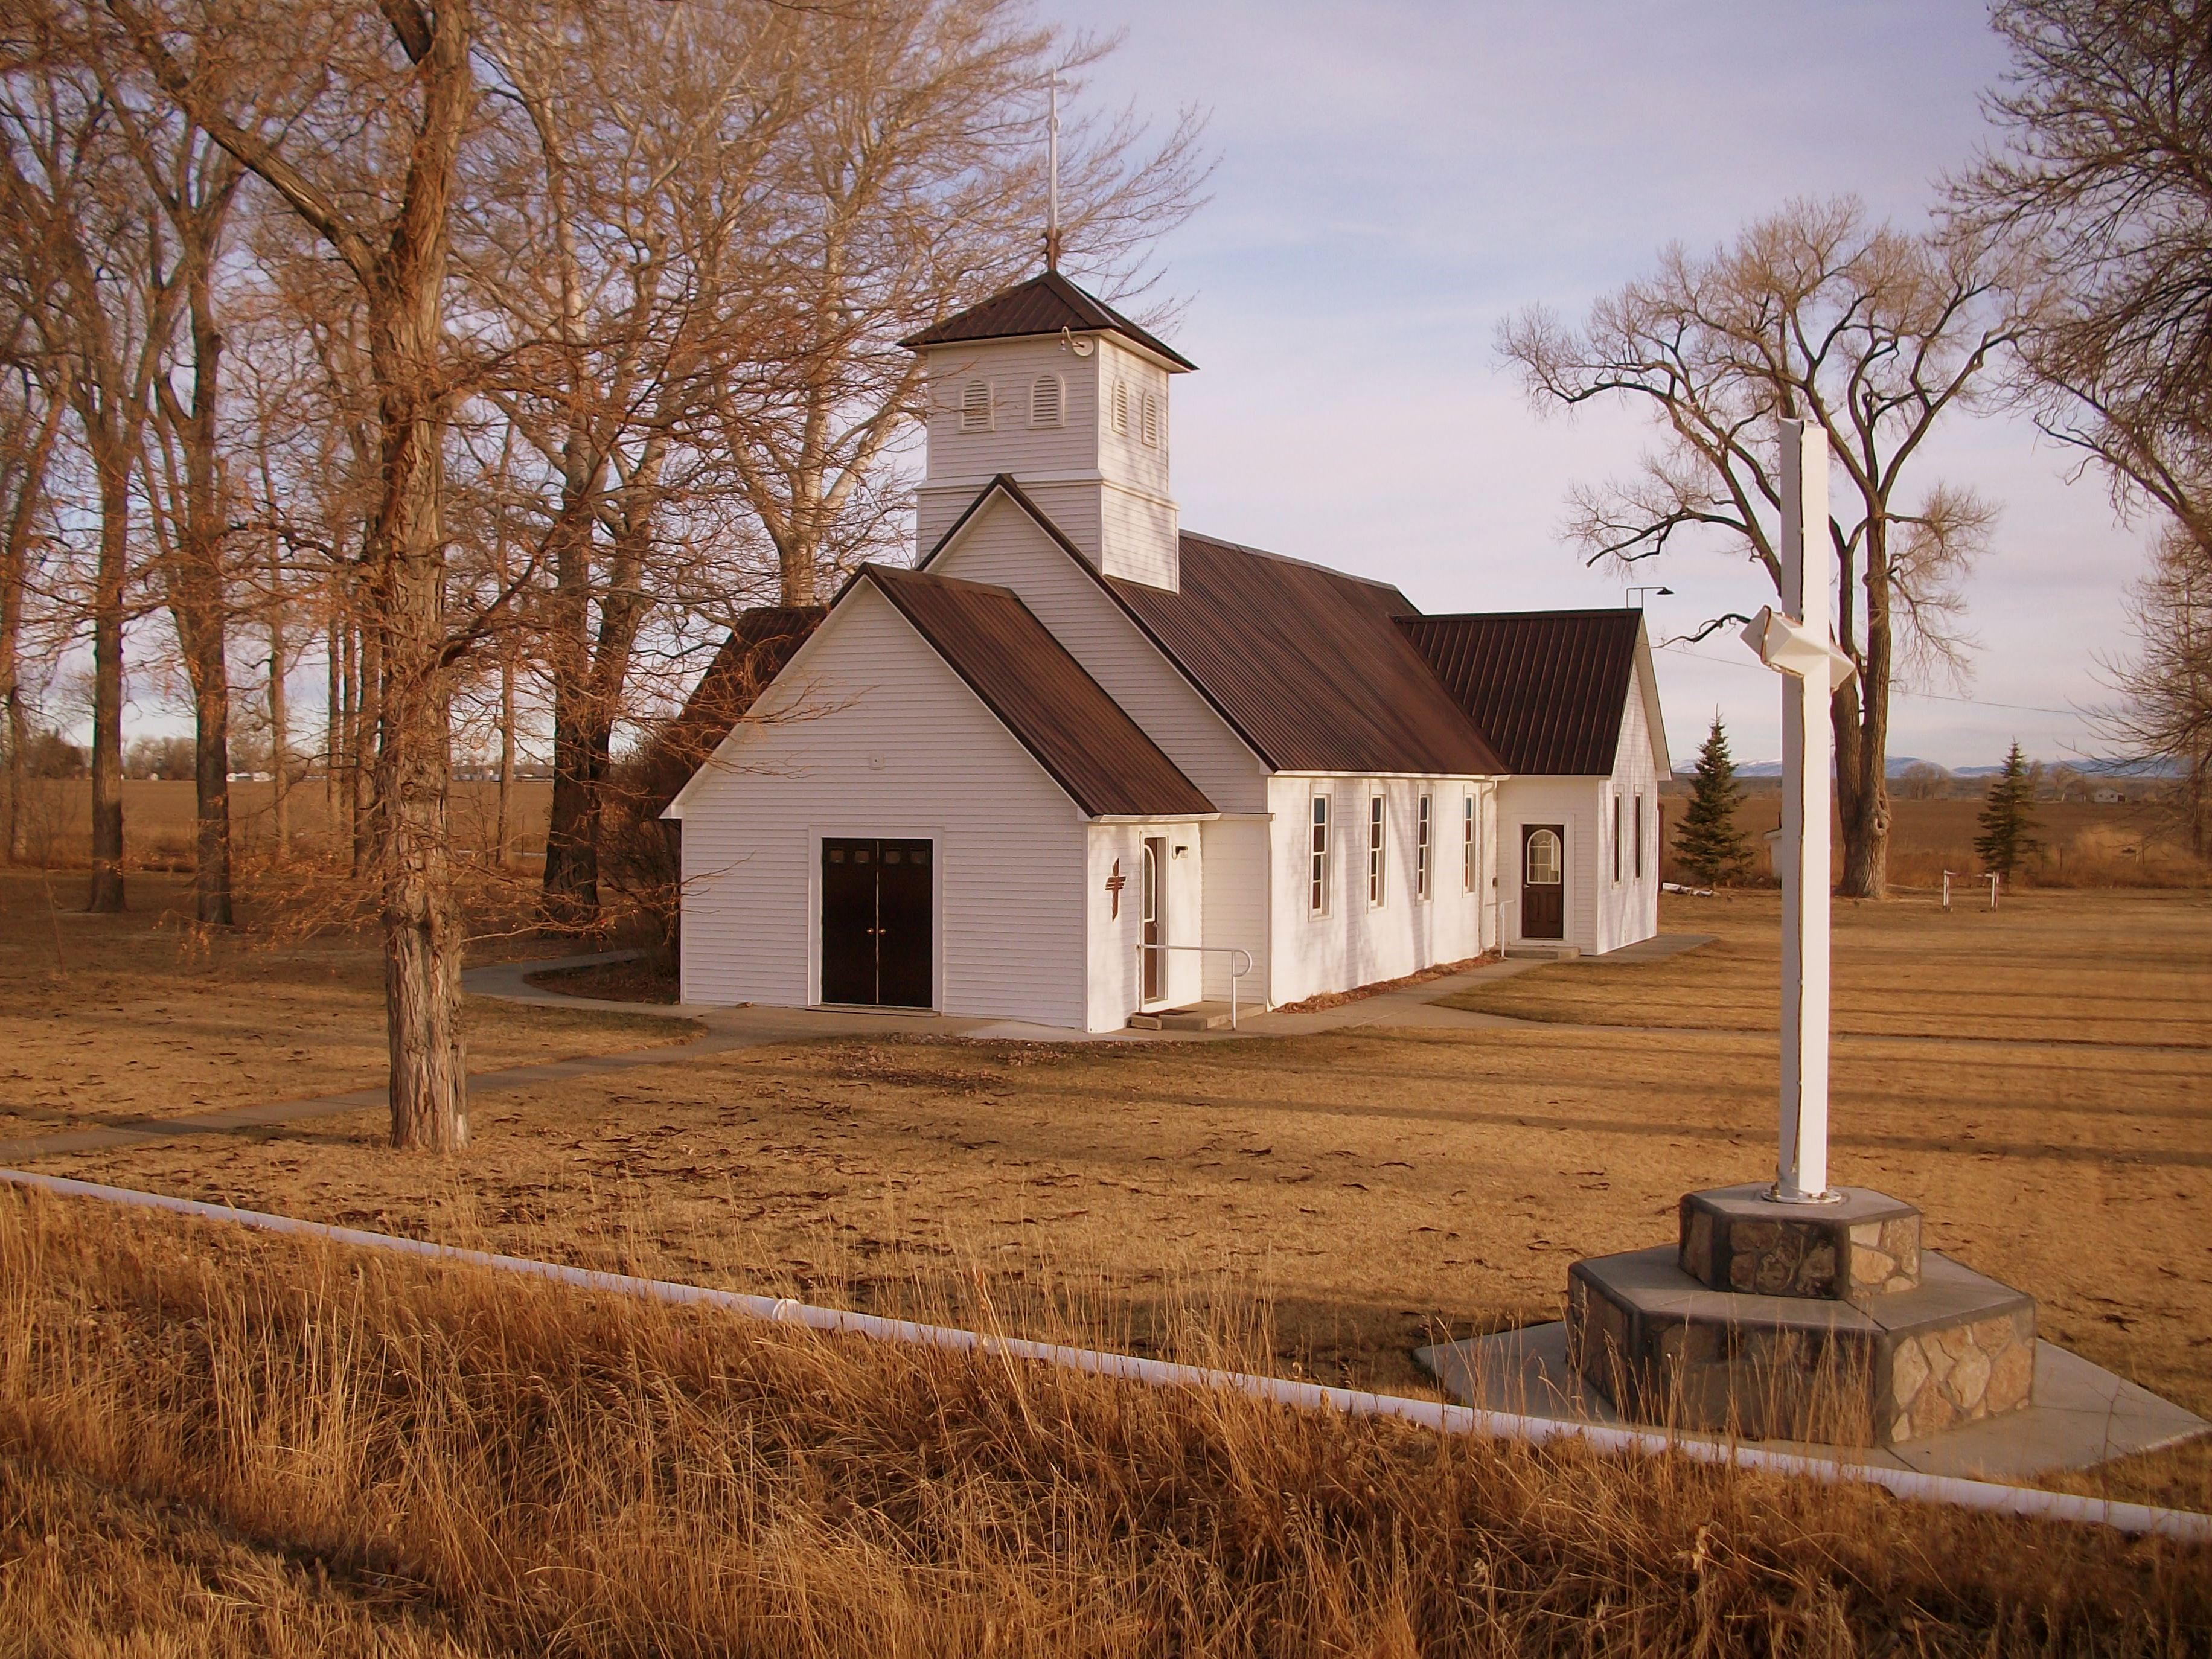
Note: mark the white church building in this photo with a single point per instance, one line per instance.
(1079, 764)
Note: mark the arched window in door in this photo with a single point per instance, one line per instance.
(1543, 858)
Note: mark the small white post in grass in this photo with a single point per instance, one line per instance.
(1798, 643)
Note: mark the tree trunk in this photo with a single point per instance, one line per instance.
(333, 720)
(571, 885)
(369, 692)
(199, 605)
(1861, 716)
(112, 461)
(422, 931)
(15, 584)
(280, 736)
(506, 756)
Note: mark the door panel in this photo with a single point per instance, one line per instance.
(906, 914)
(1543, 881)
(878, 922)
(849, 921)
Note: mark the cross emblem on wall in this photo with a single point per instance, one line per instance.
(1114, 883)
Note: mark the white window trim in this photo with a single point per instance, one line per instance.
(1319, 826)
(1378, 818)
(1425, 815)
(1466, 859)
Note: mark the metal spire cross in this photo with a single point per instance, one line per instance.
(1797, 643)
(1052, 178)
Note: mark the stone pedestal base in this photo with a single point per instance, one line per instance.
(1800, 1323)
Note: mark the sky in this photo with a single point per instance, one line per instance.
(1395, 180)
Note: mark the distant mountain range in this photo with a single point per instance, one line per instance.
(1900, 764)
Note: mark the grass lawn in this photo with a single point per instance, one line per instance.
(104, 1018)
(1369, 1191)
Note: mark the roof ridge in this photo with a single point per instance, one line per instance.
(1286, 558)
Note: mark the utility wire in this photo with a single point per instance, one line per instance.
(1924, 696)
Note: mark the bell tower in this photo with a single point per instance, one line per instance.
(1058, 391)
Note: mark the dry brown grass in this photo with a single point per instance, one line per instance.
(1376, 1189)
(2084, 845)
(262, 1446)
(147, 1015)
(158, 820)
(2102, 968)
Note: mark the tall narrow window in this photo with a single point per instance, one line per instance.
(1122, 407)
(1375, 849)
(1151, 420)
(1421, 850)
(1318, 860)
(1048, 400)
(1466, 843)
(1640, 838)
(976, 406)
(1616, 838)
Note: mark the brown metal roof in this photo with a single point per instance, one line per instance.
(1309, 665)
(763, 641)
(1547, 687)
(1042, 305)
(1063, 717)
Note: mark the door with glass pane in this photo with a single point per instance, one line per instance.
(1543, 881)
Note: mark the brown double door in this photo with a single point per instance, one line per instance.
(1543, 881)
(879, 912)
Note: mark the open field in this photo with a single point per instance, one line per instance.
(218, 1444)
(157, 818)
(1370, 1191)
(2082, 843)
(144, 1015)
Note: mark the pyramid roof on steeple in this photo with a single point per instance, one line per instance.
(1045, 304)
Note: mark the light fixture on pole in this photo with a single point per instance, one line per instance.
(1637, 604)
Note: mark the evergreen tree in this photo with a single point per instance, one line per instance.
(1707, 840)
(2008, 817)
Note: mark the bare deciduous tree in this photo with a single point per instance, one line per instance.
(374, 178)
(2166, 682)
(1816, 314)
(2105, 182)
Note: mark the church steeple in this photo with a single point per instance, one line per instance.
(1053, 386)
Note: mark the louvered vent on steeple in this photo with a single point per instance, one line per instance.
(1048, 401)
(976, 406)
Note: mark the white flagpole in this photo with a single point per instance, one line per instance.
(1800, 644)
(1807, 752)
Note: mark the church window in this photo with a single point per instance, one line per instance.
(1122, 407)
(1616, 838)
(1421, 851)
(976, 406)
(1640, 838)
(1375, 849)
(1317, 896)
(1047, 399)
(1466, 861)
(1151, 421)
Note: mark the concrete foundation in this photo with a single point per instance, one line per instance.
(1818, 1323)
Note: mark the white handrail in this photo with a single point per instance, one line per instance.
(1232, 951)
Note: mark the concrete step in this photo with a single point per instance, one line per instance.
(1544, 952)
(1198, 1017)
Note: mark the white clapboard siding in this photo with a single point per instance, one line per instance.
(1014, 443)
(1236, 913)
(1572, 802)
(869, 733)
(1116, 986)
(1629, 909)
(1002, 545)
(1125, 456)
(1356, 942)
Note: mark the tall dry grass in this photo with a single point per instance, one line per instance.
(416, 1459)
